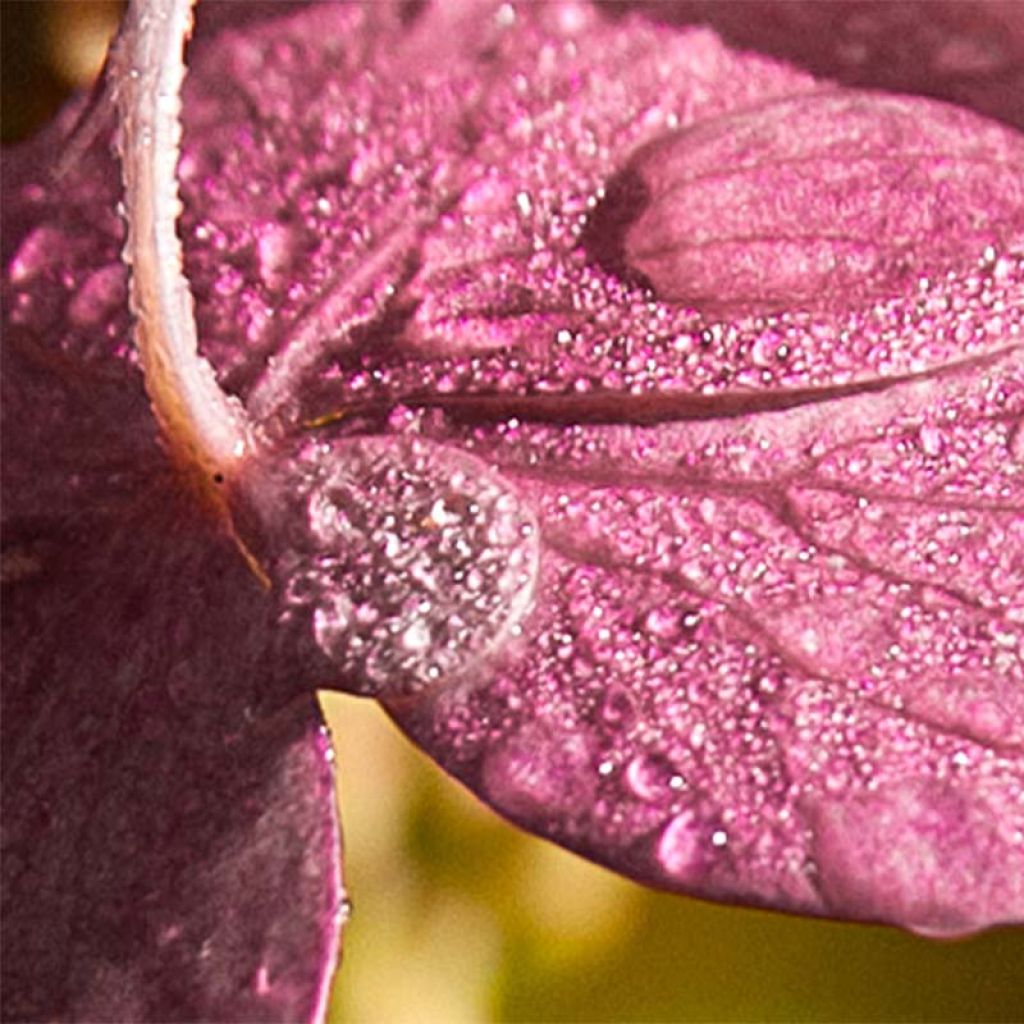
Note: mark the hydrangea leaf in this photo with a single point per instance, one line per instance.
(171, 848)
(762, 625)
(701, 476)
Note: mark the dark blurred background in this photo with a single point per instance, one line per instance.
(461, 918)
(49, 48)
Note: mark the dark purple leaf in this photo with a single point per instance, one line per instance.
(170, 841)
(707, 569)
(171, 848)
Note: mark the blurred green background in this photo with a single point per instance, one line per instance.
(459, 917)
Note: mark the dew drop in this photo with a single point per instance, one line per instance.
(662, 622)
(276, 247)
(423, 562)
(416, 637)
(616, 707)
(261, 983)
(541, 772)
(652, 778)
(331, 619)
(1016, 443)
(930, 440)
(42, 249)
(941, 932)
(100, 296)
(680, 849)
(698, 734)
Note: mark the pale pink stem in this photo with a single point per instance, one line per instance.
(204, 428)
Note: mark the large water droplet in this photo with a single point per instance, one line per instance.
(424, 562)
(931, 856)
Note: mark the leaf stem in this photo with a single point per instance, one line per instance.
(205, 429)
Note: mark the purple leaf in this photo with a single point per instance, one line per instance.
(171, 848)
(708, 568)
(170, 840)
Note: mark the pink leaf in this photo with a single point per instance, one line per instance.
(777, 556)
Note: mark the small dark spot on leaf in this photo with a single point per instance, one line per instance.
(471, 132)
(409, 12)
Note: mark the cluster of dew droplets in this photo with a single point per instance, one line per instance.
(421, 563)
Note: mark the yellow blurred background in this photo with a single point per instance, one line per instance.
(459, 917)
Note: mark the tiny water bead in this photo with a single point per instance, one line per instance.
(419, 564)
(682, 848)
(652, 778)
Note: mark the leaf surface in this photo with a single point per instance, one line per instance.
(771, 523)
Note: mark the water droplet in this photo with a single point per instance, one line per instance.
(424, 561)
(276, 250)
(43, 248)
(930, 440)
(332, 617)
(680, 849)
(102, 293)
(540, 772)
(652, 778)
(416, 637)
(616, 707)
(662, 622)
(261, 983)
(1016, 443)
(344, 910)
(505, 15)
(931, 855)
